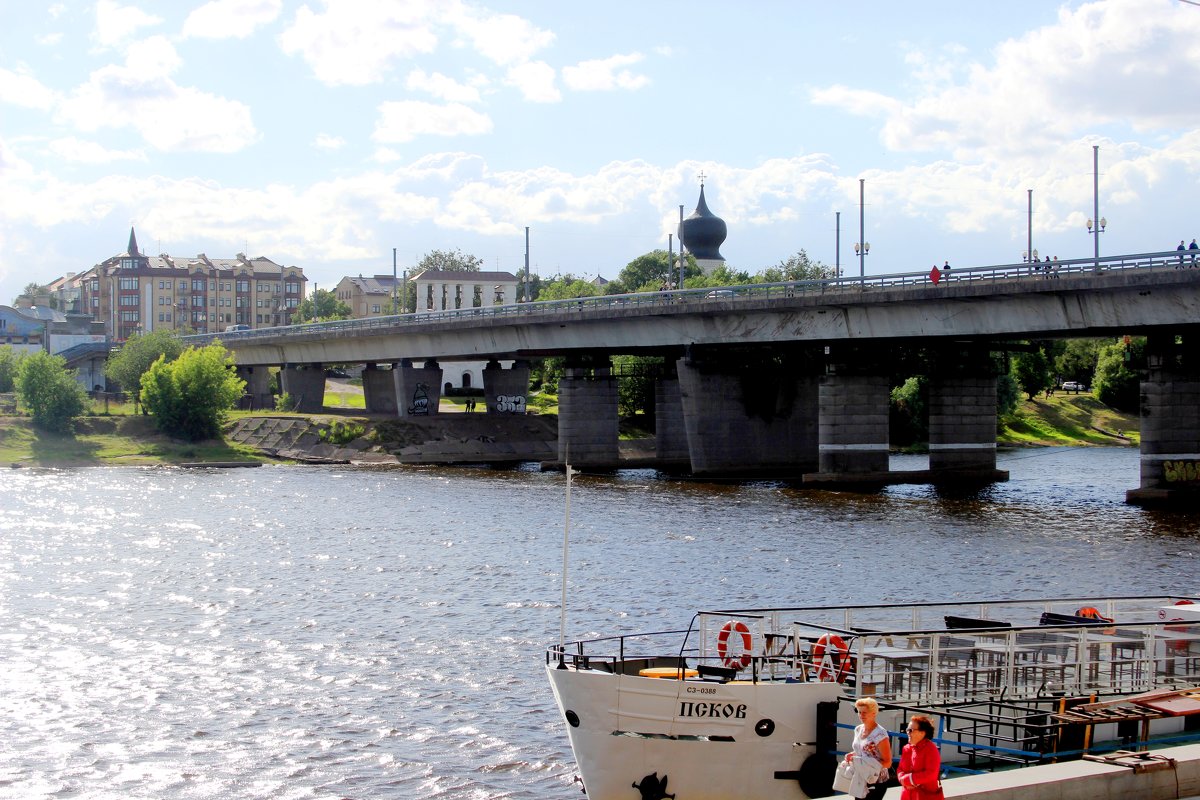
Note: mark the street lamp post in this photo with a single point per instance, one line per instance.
(1100, 222)
(861, 248)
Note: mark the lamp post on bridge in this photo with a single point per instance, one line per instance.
(1030, 254)
(1100, 222)
(861, 248)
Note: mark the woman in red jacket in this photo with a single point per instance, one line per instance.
(920, 763)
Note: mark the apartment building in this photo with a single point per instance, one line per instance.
(133, 292)
(370, 297)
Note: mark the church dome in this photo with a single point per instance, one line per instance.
(703, 232)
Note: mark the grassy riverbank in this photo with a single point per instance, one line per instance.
(122, 438)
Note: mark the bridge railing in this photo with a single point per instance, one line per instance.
(701, 298)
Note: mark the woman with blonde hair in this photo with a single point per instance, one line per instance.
(920, 770)
(871, 753)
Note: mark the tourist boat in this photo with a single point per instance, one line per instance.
(758, 703)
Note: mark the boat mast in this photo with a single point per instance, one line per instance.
(562, 624)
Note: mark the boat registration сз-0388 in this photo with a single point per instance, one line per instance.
(758, 703)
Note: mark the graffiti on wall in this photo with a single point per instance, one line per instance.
(510, 403)
(420, 402)
(1181, 471)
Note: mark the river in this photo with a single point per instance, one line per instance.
(335, 632)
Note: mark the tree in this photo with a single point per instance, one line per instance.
(1115, 384)
(328, 308)
(723, 275)
(137, 354)
(449, 261)
(909, 418)
(650, 271)
(568, 287)
(635, 388)
(8, 368)
(798, 267)
(1032, 372)
(1077, 360)
(49, 390)
(191, 396)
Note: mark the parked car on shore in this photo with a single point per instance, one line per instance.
(1073, 386)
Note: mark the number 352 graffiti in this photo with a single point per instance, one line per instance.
(510, 403)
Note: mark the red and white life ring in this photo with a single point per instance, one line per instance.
(831, 658)
(734, 662)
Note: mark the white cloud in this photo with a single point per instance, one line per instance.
(116, 23)
(535, 80)
(505, 39)
(441, 87)
(141, 95)
(50, 39)
(81, 151)
(223, 19)
(605, 74)
(356, 45)
(1104, 63)
(22, 89)
(326, 141)
(403, 121)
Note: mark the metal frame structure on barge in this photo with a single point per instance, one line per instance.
(1004, 680)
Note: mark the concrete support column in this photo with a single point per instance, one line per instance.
(418, 389)
(379, 389)
(670, 433)
(305, 384)
(743, 420)
(1170, 423)
(962, 416)
(587, 416)
(854, 422)
(505, 390)
(258, 387)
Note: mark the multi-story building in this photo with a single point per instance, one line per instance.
(370, 297)
(133, 292)
(443, 290)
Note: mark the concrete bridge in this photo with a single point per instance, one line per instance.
(785, 380)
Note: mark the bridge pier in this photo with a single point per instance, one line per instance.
(587, 415)
(418, 389)
(305, 384)
(962, 418)
(744, 419)
(853, 431)
(379, 389)
(258, 386)
(505, 390)
(1170, 429)
(670, 431)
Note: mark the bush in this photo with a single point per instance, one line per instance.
(48, 389)
(341, 432)
(284, 402)
(8, 368)
(190, 397)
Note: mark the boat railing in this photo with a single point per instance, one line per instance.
(1060, 654)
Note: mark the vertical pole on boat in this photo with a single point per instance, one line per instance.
(562, 624)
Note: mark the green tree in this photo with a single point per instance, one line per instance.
(1116, 384)
(1032, 371)
(134, 358)
(49, 391)
(1077, 360)
(650, 271)
(798, 267)
(568, 287)
(327, 305)
(635, 386)
(8, 368)
(191, 396)
(449, 260)
(723, 275)
(909, 411)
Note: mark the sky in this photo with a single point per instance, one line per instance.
(330, 134)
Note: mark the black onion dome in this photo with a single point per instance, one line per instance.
(703, 232)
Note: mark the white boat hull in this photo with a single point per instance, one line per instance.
(709, 740)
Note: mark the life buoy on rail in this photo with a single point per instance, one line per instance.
(1089, 612)
(831, 658)
(734, 662)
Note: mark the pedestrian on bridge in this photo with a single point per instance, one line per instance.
(1181, 248)
(1193, 247)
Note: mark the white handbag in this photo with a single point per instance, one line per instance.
(841, 777)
